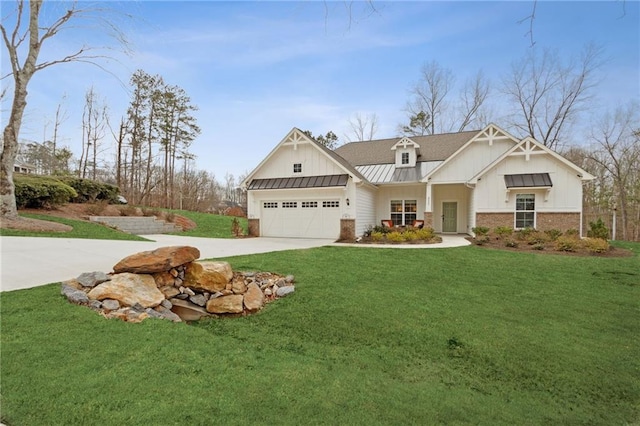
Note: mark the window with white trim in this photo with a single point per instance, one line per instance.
(270, 205)
(289, 204)
(525, 211)
(297, 168)
(405, 158)
(403, 212)
(331, 204)
(309, 204)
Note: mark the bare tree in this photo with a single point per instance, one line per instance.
(429, 94)
(363, 127)
(548, 92)
(472, 98)
(94, 122)
(617, 138)
(24, 40)
(431, 109)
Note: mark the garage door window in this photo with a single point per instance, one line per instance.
(270, 205)
(309, 204)
(289, 204)
(331, 204)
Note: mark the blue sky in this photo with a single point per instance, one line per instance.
(257, 69)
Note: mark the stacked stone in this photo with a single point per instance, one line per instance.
(168, 283)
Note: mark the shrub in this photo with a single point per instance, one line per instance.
(426, 234)
(381, 229)
(480, 230)
(567, 244)
(234, 211)
(553, 234)
(572, 233)
(395, 236)
(41, 191)
(96, 209)
(524, 233)
(503, 231)
(598, 230)
(538, 246)
(151, 212)
(410, 235)
(537, 237)
(482, 240)
(128, 210)
(169, 216)
(236, 228)
(89, 190)
(596, 245)
(511, 243)
(377, 236)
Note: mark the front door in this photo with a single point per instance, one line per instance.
(450, 216)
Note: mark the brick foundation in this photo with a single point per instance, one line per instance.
(254, 227)
(544, 221)
(560, 221)
(428, 219)
(347, 229)
(492, 220)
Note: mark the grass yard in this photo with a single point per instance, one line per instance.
(371, 336)
(210, 225)
(81, 229)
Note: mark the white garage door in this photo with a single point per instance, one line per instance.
(300, 218)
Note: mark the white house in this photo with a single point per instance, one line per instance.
(453, 182)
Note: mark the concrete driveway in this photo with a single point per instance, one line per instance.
(29, 262)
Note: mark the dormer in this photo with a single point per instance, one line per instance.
(406, 152)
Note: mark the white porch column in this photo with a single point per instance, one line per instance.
(428, 201)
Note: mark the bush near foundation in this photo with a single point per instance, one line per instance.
(596, 245)
(598, 230)
(41, 191)
(567, 244)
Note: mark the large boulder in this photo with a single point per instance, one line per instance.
(159, 260)
(226, 304)
(208, 276)
(187, 311)
(129, 289)
(254, 298)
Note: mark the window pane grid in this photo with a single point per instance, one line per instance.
(525, 211)
(403, 212)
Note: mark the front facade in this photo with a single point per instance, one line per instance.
(453, 182)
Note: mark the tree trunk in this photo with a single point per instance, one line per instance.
(21, 75)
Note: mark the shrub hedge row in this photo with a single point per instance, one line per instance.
(47, 191)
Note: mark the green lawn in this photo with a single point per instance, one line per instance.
(81, 229)
(371, 336)
(208, 225)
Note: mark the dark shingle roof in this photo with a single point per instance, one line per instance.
(432, 148)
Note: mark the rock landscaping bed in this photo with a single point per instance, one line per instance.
(168, 283)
